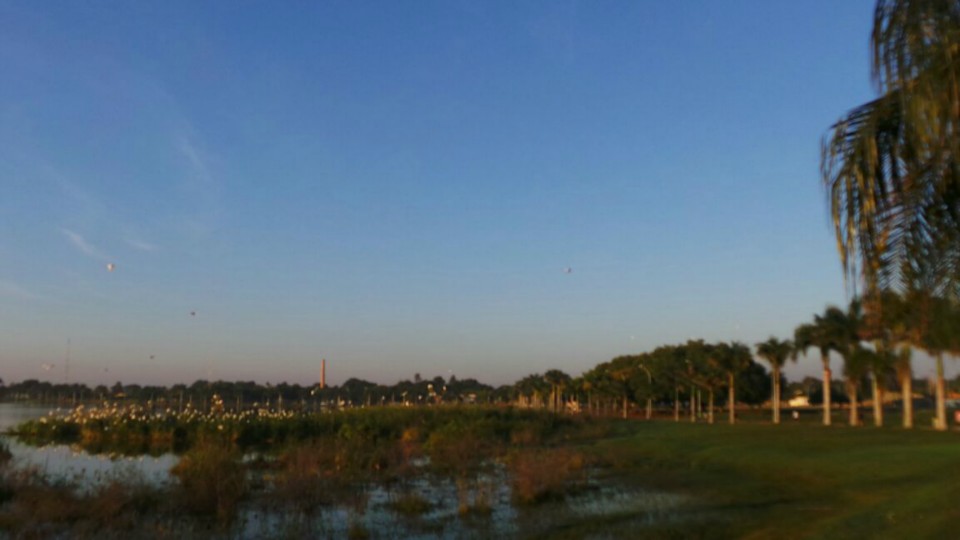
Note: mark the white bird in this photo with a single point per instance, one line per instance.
(111, 267)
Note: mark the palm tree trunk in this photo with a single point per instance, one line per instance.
(941, 397)
(776, 395)
(693, 404)
(906, 390)
(731, 399)
(827, 410)
(676, 403)
(710, 407)
(852, 392)
(624, 405)
(649, 408)
(877, 401)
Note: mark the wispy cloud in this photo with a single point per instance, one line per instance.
(198, 164)
(140, 244)
(81, 244)
(9, 289)
(199, 184)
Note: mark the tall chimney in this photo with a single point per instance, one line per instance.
(323, 373)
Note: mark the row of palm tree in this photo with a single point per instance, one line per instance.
(874, 336)
(684, 373)
(891, 168)
(877, 336)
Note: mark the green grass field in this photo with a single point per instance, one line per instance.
(796, 480)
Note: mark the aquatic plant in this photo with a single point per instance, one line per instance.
(539, 474)
(211, 480)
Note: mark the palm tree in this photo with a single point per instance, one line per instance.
(646, 384)
(904, 371)
(941, 337)
(776, 353)
(881, 366)
(557, 380)
(890, 166)
(855, 367)
(829, 332)
(896, 324)
(696, 354)
(814, 335)
(732, 359)
(805, 336)
(589, 386)
(530, 391)
(712, 374)
(621, 380)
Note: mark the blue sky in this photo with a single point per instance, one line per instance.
(399, 186)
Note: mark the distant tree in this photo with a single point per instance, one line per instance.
(530, 390)
(557, 380)
(776, 353)
(754, 385)
(855, 368)
(732, 359)
(837, 395)
(829, 332)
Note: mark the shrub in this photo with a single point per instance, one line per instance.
(542, 474)
(461, 447)
(211, 480)
(302, 478)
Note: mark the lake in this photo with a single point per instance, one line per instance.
(73, 463)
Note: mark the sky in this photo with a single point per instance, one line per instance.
(477, 189)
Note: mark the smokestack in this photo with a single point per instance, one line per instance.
(323, 373)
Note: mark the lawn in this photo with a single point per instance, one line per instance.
(795, 480)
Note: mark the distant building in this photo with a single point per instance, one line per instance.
(799, 401)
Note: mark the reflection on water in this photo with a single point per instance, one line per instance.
(376, 514)
(607, 500)
(12, 414)
(61, 461)
(373, 512)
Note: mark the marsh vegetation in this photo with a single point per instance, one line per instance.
(456, 472)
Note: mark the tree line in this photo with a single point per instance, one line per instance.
(874, 336)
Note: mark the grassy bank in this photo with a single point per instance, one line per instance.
(789, 481)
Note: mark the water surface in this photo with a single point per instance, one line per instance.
(71, 462)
